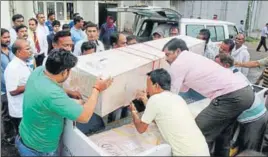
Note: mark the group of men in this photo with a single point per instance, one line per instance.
(36, 61)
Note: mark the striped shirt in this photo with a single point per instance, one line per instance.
(265, 78)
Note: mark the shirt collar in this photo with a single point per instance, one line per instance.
(20, 61)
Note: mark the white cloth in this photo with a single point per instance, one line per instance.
(264, 31)
(42, 39)
(13, 35)
(241, 55)
(211, 51)
(16, 74)
(43, 29)
(176, 124)
(77, 47)
(241, 28)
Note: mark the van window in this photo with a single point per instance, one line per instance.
(232, 31)
(216, 33)
(212, 31)
(193, 30)
(220, 33)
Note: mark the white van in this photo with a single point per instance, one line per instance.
(149, 18)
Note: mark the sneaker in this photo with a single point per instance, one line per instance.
(258, 50)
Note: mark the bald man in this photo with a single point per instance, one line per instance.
(240, 52)
(118, 40)
(16, 76)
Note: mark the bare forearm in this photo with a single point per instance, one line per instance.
(18, 91)
(91, 103)
(250, 64)
(136, 121)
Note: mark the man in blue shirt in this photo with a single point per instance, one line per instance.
(71, 24)
(76, 31)
(50, 19)
(106, 31)
(6, 57)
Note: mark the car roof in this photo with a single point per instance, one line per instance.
(205, 21)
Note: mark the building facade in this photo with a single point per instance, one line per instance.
(95, 11)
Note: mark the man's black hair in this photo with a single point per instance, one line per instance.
(37, 15)
(17, 16)
(3, 31)
(206, 34)
(65, 26)
(75, 14)
(114, 38)
(77, 19)
(90, 24)
(20, 27)
(241, 21)
(161, 77)
(60, 60)
(87, 46)
(55, 23)
(131, 37)
(50, 14)
(33, 19)
(174, 44)
(61, 34)
(229, 42)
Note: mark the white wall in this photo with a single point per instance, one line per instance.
(5, 15)
(25, 8)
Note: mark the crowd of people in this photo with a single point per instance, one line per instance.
(36, 60)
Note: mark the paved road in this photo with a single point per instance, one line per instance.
(254, 73)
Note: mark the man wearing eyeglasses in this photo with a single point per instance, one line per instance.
(240, 52)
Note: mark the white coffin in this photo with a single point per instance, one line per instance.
(194, 45)
(128, 67)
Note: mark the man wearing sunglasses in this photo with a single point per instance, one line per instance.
(240, 52)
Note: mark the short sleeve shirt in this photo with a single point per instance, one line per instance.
(45, 106)
(176, 124)
(16, 74)
(263, 61)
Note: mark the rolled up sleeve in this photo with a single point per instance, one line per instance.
(263, 61)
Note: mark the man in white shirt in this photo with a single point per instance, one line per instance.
(39, 40)
(17, 20)
(264, 33)
(172, 116)
(42, 27)
(240, 53)
(16, 76)
(211, 49)
(92, 35)
(241, 27)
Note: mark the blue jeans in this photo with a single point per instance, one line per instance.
(26, 151)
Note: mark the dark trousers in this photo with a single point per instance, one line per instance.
(39, 59)
(16, 123)
(7, 129)
(217, 120)
(251, 134)
(262, 43)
